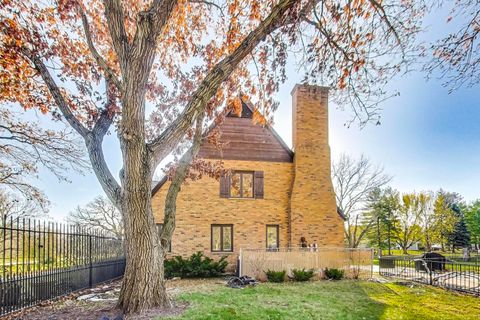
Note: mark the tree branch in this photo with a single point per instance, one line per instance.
(381, 11)
(156, 16)
(109, 74)
(95, 151)
(150, 24)
(55, 92)
(115, 20)
(93, 139)
(164, 144)
(209, 3)
(179, 177)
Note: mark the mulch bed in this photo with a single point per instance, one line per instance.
(70, 308)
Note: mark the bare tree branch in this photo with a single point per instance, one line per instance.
(209, 3)
(354, 181)
(99, 214)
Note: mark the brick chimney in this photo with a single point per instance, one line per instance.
(313, 210)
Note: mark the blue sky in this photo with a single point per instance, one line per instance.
(428, 139)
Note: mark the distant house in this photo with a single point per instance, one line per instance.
(274, 196)
(414, 246)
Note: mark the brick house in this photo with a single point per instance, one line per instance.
(274, 195)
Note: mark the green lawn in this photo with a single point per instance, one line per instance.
(330, 300)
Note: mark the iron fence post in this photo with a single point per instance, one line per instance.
(90, 265)
(371, 264)
(430, 273)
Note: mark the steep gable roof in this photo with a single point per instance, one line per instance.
(246, 140)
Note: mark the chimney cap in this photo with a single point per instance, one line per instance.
(312, 88)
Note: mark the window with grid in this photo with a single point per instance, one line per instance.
(241, 184)
(272, 237)
(222, 237)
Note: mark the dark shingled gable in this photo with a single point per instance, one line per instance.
(246, 140)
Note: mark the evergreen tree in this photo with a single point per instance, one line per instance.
(382, 206)
(460, 237)
(472, 218)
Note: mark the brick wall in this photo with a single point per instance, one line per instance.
(299, 193)
(313, 207)
(199, 206)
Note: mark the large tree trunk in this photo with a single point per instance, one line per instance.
(404, 248)
(143, 284)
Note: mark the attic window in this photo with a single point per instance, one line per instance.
(241, 185)
(246, 112)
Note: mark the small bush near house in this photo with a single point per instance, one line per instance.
(334, 274)
(275, 276)
(354, 273)
(302, 275)
(197, 266)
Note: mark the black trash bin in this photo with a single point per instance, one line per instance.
(432, 260)
(386, 263)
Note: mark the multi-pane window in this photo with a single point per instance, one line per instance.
(241, 185)
(272, 237)
(222, 237)
(159, 229)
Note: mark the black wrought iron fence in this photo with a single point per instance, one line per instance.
(43, 260)
(445, 273)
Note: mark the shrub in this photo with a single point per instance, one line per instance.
(197, 266)
(354, 273)
(302, 275)
(275, 276)
(334, 274)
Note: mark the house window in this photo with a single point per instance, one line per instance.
(272, 237)
(159, 229)
(241, 185)
(222, 237)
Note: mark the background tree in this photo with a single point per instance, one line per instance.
(382, 206)
(408, 230)
(437, 219)
(14, 210)
(459, 236)
(428, 221)
(99, 63)
(444, 219)
(13, 207)
(99, 214)
(472, 218)
(25, 147)
(353, 181)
